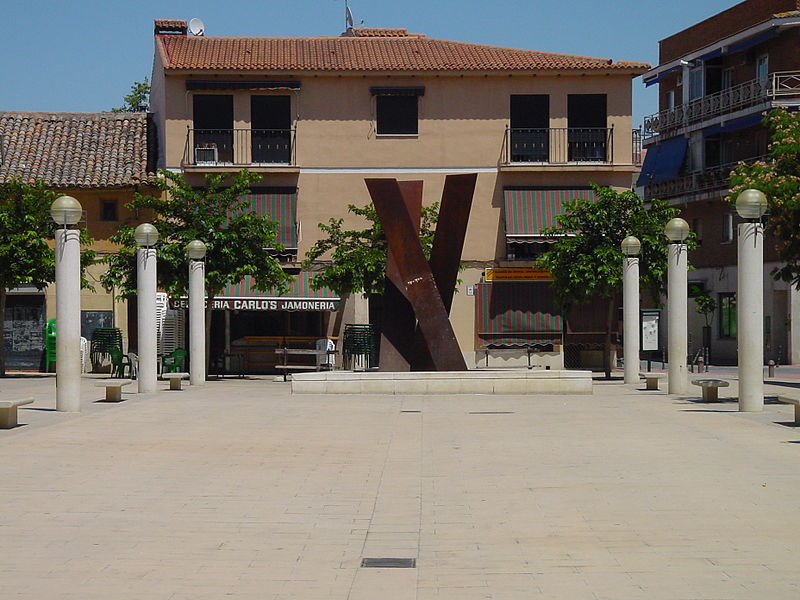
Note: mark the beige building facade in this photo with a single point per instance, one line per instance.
(316, 116)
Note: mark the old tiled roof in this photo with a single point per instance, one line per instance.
(75, 150)
(395, 50)
(170, 25)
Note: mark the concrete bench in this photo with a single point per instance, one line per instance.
(710, 388)
(651, 379)
(8, 411)
(792, 400)
(113, 388)
(175, 379)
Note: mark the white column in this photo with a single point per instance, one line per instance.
(197, 326)
(630, 317)
(677, 310)
(750, 317)
(146, 299)
(794, 326)
(68, 320)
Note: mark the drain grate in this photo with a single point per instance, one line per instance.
(491, 412)
(410, 411)
(389, 563)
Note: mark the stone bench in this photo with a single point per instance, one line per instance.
(8, 411)
(175, 379)
(792, 400)
(113, 388)
(651, 379)
(710, 388)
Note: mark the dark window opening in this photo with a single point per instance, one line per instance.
(727, 315)
(587, 120)
(530, 128)
(526, 251)
(271, 124)
(713, 76)
(397, 115)
(713, 152)
(213, 127)
(108, 210)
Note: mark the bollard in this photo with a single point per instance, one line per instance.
(701, 365)
(771, 368)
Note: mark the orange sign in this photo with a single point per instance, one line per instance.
(518, 274)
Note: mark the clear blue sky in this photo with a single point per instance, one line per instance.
(83, 55)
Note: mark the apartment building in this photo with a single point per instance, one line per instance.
(716, 80)
(101, 159)
(315, 116)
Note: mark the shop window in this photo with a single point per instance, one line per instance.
(727, 315)
(108, 210)
(397, 115)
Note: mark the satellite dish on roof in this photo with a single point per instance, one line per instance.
(348, 16)
(196, 27)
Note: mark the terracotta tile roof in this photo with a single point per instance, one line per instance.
(170, 26)
(379, 32)
(75, 150)
(371, 52)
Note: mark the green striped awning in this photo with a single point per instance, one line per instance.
(518, 313)
(281, 207)
(529, 211)
(300, 287)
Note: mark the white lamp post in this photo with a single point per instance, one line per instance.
(677, 230)
(66, 211)
(146, 236)
(630, 307)
(751, 205)
(196, 251)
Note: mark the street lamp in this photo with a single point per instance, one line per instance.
(66, 211)
(677, 230)
(751, 206)
(196, 251)
(630, 306)
(146, 236)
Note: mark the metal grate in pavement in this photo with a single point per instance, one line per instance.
(389, 563)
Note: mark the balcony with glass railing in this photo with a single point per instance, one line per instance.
(239, 147)
(558, 145)
(751, 94)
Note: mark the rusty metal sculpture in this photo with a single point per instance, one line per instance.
(418, 290)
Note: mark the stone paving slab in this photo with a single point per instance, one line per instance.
(239, 489)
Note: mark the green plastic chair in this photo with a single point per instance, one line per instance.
(119, 362)
(174, 361)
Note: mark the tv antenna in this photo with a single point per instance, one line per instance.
(348, 16)
(196, 27)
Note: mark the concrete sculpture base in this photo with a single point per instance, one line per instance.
(444, 382)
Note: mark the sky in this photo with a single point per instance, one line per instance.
(83, 55)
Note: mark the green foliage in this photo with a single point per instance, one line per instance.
(358, 256)
(236, 239)
(586, 260)
(705, 305)
(779, 178)
(138, 98)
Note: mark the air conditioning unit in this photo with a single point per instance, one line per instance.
(205, 156)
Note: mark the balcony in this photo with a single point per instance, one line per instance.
(710, 179)
(558, 145)
(239, 147)
(746, 95)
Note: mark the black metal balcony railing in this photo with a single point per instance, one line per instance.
(714, 178)
(559, 145)
(751, 93)
(209, 147)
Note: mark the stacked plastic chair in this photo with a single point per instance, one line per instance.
(359, 347)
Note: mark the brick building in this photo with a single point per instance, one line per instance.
(716, 80)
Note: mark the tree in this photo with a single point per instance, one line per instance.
(358, 256)
(779, 178)
(239, 242)
(138, 98)
(25, 255)
(586, 260)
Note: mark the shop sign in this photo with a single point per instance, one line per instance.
(518, 274)
(312, 304)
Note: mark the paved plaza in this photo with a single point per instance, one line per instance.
(238, 489)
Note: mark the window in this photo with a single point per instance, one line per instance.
(696, 83)
(727, 315)
(213, 128)
(397, 115)
(108, 210)
(697, 228)
(727, 79)
(670, 100)
(762, 68)
(727, 228)
(270, 125)
(530, 128)
(587, 122)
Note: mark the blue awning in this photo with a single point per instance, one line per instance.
(710, 55)
(753, 41)
(657, 78)
(663, 162)
(734, 125)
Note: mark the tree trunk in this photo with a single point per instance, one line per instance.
(607, 345)
(2, 331)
